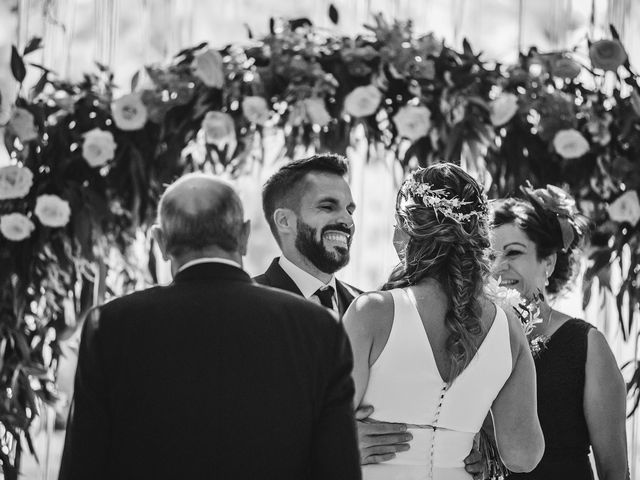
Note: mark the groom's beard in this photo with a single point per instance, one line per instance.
(327, 261)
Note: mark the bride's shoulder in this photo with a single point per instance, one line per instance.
(517, 338)
(369, 310)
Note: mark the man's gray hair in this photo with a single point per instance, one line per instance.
(214, 219)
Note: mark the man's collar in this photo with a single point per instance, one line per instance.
(307, 283)
(198, 261)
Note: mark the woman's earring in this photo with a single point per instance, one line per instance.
(546, 280)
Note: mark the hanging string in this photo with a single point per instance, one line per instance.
(520, 25)
(106, 28)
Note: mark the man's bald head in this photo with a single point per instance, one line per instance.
(198, 212)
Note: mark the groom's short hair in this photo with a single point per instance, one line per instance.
(284, 188)
(196, 219)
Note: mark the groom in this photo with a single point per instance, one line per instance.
(212, 376)
(309, 208)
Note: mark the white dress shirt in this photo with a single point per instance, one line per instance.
(198, 261)
(307, 283)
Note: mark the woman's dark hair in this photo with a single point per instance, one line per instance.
(551, 221)
(448, 246)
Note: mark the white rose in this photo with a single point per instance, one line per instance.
(255, 109)
(412, 121)
(316, 111)
(52, 211)
(16, 226)
(22, 125)
(570, 144)
(98, 147)
(503, 109)
(626, 208)
(362, 101)
(208, 68)
(219, 128)
(15, 182)
(129, 113)
(64, 101)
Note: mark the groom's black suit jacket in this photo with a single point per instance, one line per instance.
(212, 377)
(276, 277)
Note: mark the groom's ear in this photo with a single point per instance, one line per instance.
(158, 236)
(285, 220)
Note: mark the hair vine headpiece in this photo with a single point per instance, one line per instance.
(440, 201)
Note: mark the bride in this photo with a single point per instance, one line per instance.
(431, 351)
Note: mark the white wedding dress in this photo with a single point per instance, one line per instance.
(406, 387)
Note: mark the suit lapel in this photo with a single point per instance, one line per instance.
(278, 278)
(345, 296)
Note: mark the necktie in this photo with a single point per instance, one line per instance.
(325, 294)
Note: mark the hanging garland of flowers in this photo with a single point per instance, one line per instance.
(87, 167)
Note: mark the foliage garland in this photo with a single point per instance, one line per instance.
(87, 168)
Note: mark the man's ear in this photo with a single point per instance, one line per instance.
(285, 220)
(158, 236)
(243, 241)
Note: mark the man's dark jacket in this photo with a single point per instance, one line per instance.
(276, 277)
(212, 377)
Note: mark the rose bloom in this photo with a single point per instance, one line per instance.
(503, 109)
(570, 143)
(52, 211)
(362, 101)
(566, 68)
(219, 128)
(413, 122)
(129, 113)
(98, 147)
(16, 226)
(625, 208)
(607, 54)
(22, 125)
(555, 199)
(316, 111)
(255, 109)
(207, 66)
(15, 182)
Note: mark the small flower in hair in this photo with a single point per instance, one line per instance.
(556, 200)
(440, 201)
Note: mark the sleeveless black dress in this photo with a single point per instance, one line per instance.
(560, 370)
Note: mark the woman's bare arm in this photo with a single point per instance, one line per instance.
(604, 409)
(515, 413)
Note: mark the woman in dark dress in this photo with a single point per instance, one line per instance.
(581, 392)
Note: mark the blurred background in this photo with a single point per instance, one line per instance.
(126, 34)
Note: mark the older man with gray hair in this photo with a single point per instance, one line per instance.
(212, 376)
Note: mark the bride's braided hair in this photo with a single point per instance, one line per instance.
(447, 249)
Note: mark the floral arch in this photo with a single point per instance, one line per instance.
(86, 168)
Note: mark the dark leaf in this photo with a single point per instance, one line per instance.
(102, 67)
(38, 87)
(466, 47)
(134, 80)
(299, 23)
(41, 67)
(17, 65)
(333, 14)
(614, 32)
(249, 32)
(32, 45)
(190, 50)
